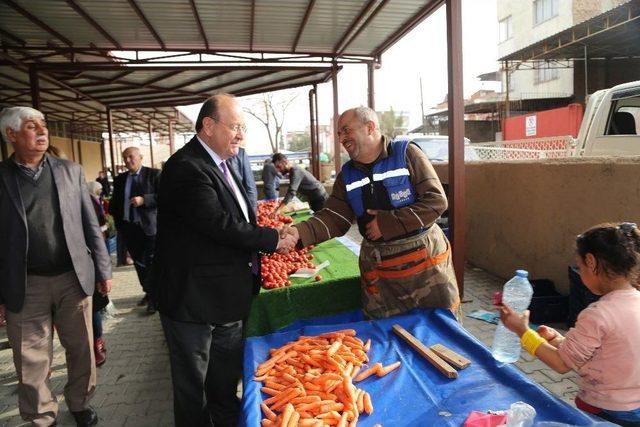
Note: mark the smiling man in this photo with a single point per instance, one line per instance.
(393, 192)
(206, 268)
(52, 258)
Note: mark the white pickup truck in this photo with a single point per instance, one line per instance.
(610, 127)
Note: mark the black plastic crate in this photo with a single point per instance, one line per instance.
(579, 296)
(547, 305)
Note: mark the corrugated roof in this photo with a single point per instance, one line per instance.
(322, 27)
(75, 47)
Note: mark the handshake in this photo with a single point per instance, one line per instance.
(288, 239)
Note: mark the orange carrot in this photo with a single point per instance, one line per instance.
(367, 345)
(286, 414)
(368, 372)
(268, 412)
(384, 371)
(368, 406)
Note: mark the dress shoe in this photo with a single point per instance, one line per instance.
(143, 301)
(100, 351)
(151, 307)
(86, 417)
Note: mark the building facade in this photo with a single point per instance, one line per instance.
(524, 22)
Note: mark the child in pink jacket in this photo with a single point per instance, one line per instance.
(604, 345)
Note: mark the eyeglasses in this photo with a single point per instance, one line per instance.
(235, 128)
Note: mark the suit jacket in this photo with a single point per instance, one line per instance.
(91, 262)
(242, 167)
(205, 247)
(148, 182)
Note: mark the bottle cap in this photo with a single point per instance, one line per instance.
(522, 273)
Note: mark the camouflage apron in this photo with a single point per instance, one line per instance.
(403, 274)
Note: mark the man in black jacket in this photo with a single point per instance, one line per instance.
(206, 268)
(134, 210)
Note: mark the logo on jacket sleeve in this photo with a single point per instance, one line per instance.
(400, 196)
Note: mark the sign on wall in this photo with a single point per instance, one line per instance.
(530, 125)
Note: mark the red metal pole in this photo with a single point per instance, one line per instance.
(456, 138)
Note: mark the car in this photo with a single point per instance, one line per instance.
(436, 147)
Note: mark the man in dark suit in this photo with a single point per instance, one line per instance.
(242, 167)
(134, 210)
(52, 258)
(206, 268)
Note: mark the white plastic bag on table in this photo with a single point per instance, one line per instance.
(520, 414)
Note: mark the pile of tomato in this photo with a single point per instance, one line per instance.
(265, 210)
(276, 267)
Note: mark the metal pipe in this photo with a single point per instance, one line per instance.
(586, 75)
(34, 84)
(315, 101)
(151, 144)
(110, 131)
(172, 144)
(371, 86)
(315, 170)
(336, 141)
(456, 138)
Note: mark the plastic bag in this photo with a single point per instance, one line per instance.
(520, 414)
(110, 311)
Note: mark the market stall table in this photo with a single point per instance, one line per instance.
(338, 291)
(417, 394)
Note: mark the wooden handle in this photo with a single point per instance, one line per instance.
(450, 356)
(446, 369)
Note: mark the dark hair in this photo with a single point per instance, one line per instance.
(616, 247)
(210, 108)
(277, 157)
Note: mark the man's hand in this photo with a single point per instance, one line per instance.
(373, 231)
(137, 201)
(288, 239)
(289, 230)
(104, 287)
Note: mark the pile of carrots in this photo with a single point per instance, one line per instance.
(310, 381)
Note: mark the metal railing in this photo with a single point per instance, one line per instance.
(525, 149)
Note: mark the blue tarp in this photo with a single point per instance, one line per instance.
(417, 394)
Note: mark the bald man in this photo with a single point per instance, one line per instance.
(134, 211)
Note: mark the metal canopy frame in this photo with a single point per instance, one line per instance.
(360, 28)
(54, 45)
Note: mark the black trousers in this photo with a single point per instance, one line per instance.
(141, 248)
(206, 365)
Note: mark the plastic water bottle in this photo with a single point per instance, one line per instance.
(517, 295)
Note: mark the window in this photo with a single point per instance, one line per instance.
(543, 10)
(624, 120)
(545, 74)
(505, 29)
